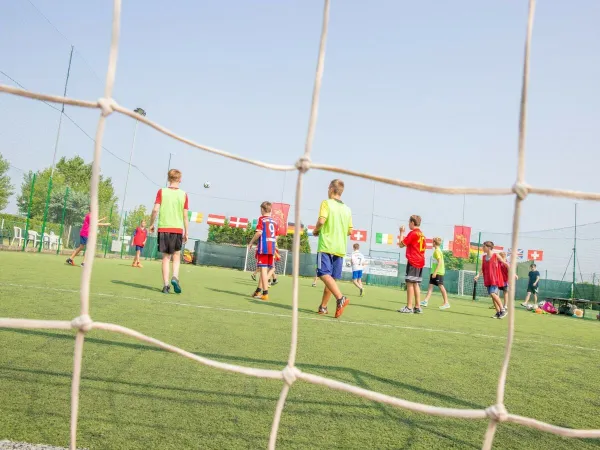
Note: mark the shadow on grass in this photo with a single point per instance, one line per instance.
(223, 291)
(361, 305)
(324, 370)
(283, 306)
(136, 285)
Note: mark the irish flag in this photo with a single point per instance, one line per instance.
(383, 238)
(195, 217)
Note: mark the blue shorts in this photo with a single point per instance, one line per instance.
(139, 248)
(492, 289)
(83, 240)
(328, 264)
(357, 274)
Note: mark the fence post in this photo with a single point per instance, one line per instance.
(476, 267)
(29, 211)
(108, 231)
(123, 235)
(62, 222)
(45, 214)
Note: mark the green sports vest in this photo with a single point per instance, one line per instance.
(333, 238)
(171, 209)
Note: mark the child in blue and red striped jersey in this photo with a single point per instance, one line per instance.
(266, 238)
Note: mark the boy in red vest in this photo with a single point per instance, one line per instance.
(492, 277)
(139, 240)
(173, 226)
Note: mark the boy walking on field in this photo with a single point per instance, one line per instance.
(83, 237)
(415, 254)
(266, 235)
(171, 206)
(333, 228)
(437, 276)
(492, 277)
(140, 235)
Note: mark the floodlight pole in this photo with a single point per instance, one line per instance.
(169, 168)
(141, 112)
(574, 255)
(372, 216)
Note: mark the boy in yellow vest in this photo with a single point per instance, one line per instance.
(171, 206)
(333, 228)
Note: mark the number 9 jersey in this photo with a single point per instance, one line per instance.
(268, 238)
(415, 248)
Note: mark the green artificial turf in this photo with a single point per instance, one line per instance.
(135, 396)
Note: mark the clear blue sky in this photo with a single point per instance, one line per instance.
(413, 90)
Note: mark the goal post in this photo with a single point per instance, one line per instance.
(250, 261)
(466, 283)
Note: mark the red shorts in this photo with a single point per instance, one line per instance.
(264, 260)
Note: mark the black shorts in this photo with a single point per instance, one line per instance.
(438, 280)
(169, 243)
(413, 275)
(532, 289)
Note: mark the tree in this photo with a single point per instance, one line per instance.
(135, 216)
(75, 174)
(286, 242)
(6, 189)
(452, 262)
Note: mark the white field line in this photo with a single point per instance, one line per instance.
(302, 317)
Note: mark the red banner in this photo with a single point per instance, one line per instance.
(279, 212)
(462, 238)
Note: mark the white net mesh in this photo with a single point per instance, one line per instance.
(466, 283)
(250, 261)
(290, 374)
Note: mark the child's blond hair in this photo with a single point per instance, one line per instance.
(266, 207)
(416, 220)
(337, 186)
(437, 241)
(174, 176)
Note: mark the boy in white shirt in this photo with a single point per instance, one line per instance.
(358, 261)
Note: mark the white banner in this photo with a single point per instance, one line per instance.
(374, 266)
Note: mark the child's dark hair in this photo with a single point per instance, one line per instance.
(416, 220)
(488, 244)
(532, 266)
(356, 246)
(266, 207)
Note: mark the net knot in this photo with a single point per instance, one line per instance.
(303, 164)
(521, 189)
(497, 413)
(83, 323)
(290, 374)
(107, 105)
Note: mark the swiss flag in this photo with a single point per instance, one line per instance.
(214, 219)
(238, 222)
(535, 255)
(358, 235)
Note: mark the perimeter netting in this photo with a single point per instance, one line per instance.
(290, 374)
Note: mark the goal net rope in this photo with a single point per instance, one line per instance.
(494, 414)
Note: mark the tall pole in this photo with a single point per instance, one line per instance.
(62, 223)
(372, 216)
(464, 203)
(169, 167)
(62, 112)
(574, 256)
(141, 112)
(476, 266)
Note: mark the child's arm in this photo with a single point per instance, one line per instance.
(186, 225)
(318, 226)
(255, 238)
(153, 216)
(401, 243)
(103, 224)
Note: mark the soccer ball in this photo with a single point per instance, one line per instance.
(206, 184)
(530, 307)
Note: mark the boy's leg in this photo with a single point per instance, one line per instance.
(175, 278)
(410, 294)
(444, 294)
(526, 299)
(326, 297)
(76, 251)
(264, 281)
(505, 296)
(166, 260)
(355, 283)
(331, 286)
(428, 296)
(417, 288)
(497, 302)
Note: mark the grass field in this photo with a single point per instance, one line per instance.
(134, 396)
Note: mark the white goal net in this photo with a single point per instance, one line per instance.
(466, 280)
(290, 374)
(250, 261)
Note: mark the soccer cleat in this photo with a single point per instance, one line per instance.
(253, 276)
(322, 310)
(166, 290)
(139, 265)
(361, 291)
(424, 303)
(264, 298)
(176, 286)
(406, 310)
(341, 305)
(274, 282)
(445, 306)
(418, 311)
(495, 316)
(502, 314)
(314, 285)
(70, 262)
(256, 294)
(134, 264)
